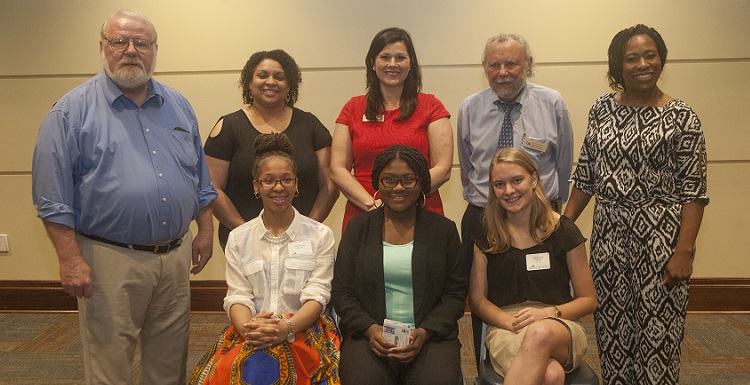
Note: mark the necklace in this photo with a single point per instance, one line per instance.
(275, 239)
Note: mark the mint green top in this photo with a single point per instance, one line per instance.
(399, 293)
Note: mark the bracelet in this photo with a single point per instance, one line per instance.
(289, 330)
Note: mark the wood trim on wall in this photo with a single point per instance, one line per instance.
(708, 295)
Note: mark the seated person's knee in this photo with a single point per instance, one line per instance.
(538, 336)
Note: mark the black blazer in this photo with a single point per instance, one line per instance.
(439, 277)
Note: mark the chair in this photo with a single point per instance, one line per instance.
(488, 376)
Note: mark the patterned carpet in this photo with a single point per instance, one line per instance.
(44, 348)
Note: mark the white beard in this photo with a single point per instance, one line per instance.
(129, 77)
(508, 92)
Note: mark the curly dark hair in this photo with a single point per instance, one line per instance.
(412, 84)
(616, 52)
(291, 70)
(274, 144)
(411, 156)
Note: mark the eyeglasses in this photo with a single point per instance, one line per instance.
(121, 43)
(271, 183)
(406, 182)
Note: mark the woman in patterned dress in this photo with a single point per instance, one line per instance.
(393, 111)
(644, 157)
(279, 271)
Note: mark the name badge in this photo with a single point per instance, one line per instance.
(379, 118)
(534, 145)
(538, 261)
(297, 249)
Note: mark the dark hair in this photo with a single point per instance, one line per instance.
(616, 52)
(412, 84)
(268, 145)
(411, 156)
(291, 70)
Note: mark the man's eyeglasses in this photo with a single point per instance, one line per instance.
(406, 182)
(121, 43)
(271, 183)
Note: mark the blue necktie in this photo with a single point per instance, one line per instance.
(506, 132)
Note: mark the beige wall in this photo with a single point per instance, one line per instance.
(49, 46)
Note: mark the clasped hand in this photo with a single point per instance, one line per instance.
(263, 331)
(385, 349)
(524, 318)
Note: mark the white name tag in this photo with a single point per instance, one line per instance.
(297, 249)
(538, 261)
(535, 145)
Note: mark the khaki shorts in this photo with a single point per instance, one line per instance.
(503, 345)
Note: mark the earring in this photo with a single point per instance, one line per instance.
(250, 97)
(288, 98)
(424, 199)
(296, 193)
(375, 199)
(257, 195)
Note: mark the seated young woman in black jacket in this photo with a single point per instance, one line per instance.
(400, 262)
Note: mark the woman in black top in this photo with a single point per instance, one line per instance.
(524, 262)
(270, 84)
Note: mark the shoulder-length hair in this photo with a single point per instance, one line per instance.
(412, 84)
(290, 67)
(542, 222)
(616, 52)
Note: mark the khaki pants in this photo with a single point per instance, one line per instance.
(136, 294)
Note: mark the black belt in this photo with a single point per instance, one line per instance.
(160, 248)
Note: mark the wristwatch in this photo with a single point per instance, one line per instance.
(558, 313)
(290, 330)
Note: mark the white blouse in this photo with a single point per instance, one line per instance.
(278, 274)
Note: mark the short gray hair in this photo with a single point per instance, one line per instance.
(132, 14)
(502, 38)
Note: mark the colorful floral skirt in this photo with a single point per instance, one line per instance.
(313, 358)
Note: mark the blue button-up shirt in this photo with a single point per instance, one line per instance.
(542, 118)
(104, 166)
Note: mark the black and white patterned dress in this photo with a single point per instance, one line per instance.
(643, 164)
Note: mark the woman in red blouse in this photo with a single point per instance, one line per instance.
(393, 111)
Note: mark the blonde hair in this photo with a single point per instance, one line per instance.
(494, 220)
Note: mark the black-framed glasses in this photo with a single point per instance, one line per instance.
(406, 182)
(271, 183)
(119, 43)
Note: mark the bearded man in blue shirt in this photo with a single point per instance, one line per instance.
(118, 175)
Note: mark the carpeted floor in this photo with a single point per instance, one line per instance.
(44, 348)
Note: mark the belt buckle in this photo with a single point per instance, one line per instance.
(161, 249)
